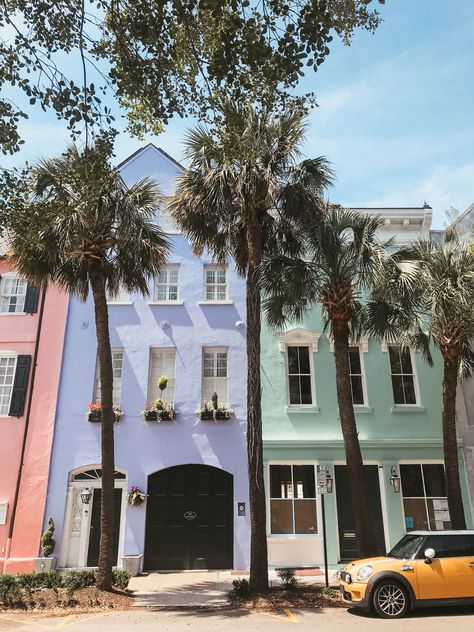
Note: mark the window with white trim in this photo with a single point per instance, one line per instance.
(299, 375)
(12, 294)
(167, 284)
(214, 374)
(403, 375)
(425, 503)
(293, 499)
(122, 296)
(117, 369)
(7, 377)
(162, 362)
(357, 376)
(215, 282)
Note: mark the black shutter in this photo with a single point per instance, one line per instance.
(31, 299)
(17, 403)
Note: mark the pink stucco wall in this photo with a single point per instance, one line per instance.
(18, 333)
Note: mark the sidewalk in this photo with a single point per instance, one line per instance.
(197, 589)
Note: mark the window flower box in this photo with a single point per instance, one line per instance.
(159, 411)
(94, 414)
(212, 411)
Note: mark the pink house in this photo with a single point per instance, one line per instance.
(32, 326)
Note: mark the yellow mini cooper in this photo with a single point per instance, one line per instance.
(426, 568)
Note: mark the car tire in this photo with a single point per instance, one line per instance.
(390, 599)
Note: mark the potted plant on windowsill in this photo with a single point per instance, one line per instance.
(48, 544)
(160, 410)
(94, 414)
(211, 411)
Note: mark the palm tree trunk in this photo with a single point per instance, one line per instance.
(258, 541)
(355, 467)
(451, 460)
(104, 571)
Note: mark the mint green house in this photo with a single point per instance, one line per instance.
(397, 399)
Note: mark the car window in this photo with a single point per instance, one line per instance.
(407, 547)
(450, 545)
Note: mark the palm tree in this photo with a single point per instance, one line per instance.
(243, 192)
(343, 259)
(82, 229)
(437, 309)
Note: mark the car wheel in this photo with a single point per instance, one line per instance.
(390, 599)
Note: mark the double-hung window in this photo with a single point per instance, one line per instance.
(167, 284)
(357, 376)
(162, 362)
(7, 376)
(293, 499)
(12, 295)
(215, 283)
(403, 375)
(299, 375)
(214, 374)
(424, 496)
(117, 369)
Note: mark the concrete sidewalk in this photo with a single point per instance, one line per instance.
(193, 589)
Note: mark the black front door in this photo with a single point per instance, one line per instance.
(189, 520)
(348, 542)
(94, 537)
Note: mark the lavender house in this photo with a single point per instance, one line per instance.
(194, 471)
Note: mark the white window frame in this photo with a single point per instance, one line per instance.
(117, 382)
(215, 267)
(167, 301)
(8, 276)
(9, 355)
(365, 403)
(215, 350)
(312, 376)
(171, 380)
(416, 387)
(122, 298)
(269, 498)
(419, 462)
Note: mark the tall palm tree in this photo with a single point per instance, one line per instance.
(342, 261)
(437, 309)
(242, 193)
(82, 229)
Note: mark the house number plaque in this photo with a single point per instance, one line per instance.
(190, 515)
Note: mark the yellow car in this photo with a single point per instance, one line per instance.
(426, 568)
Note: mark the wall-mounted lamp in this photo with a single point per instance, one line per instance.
(86, 496)
(395, 480)
(329, 482)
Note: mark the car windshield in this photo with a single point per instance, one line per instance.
(407, 547)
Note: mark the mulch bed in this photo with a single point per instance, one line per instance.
(300, 597)
(84, 600)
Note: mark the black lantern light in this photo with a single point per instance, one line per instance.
(395, 480)
(328, 482)
(86, 496)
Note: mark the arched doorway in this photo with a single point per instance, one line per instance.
(82, 521)
(189, 521)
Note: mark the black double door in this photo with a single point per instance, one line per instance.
(189, 521)
(348, 541)
(94, 537)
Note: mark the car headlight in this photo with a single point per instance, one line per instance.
(364, 572)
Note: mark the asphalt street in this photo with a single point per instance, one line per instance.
(327, 620)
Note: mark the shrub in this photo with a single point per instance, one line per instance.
(10, 592)
(240, 590)
(120, 579)
(287, 578)
(48, 543)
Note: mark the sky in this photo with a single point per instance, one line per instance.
(395, 115)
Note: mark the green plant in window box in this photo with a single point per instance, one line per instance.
(94, 414)
(159, 410)
(212, 411)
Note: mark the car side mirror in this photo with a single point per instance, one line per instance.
(429, 555)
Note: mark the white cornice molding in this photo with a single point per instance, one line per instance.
(363, 343)
(298, 336)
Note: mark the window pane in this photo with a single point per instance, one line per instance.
(412, 482)
(304, 359)
(281, 516)
(303, 479)
(434, 479)
(293, 364)
(357, 390)
(305, 381)
(354, 360)
(450, 546)
(397, 386)
(305, 516)
(395, 363)
(294, 387)
(409, 389)
(280, 481)
(406, 360)
(438, 514)
(415, 514)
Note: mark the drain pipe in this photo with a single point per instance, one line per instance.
(25, 431)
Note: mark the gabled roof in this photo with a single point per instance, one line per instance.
(150, 146)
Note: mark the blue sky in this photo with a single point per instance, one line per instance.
(395, 115)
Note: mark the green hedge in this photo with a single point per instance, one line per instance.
(19, 588)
